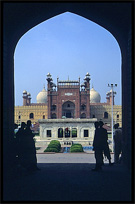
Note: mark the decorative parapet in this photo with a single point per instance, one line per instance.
(67, 120)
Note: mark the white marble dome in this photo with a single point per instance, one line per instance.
(42, 96)
(94, 96)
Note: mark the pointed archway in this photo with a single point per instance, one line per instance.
(68, 109)
(35, 13)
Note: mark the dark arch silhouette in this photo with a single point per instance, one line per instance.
(35, 13)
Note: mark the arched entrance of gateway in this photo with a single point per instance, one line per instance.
(35, 13)
(68, 109)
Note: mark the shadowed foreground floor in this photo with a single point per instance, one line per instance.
(70, 182)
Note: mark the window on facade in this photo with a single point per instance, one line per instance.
(67, 132)
(93, 116)
(83, 115)
(53, 116)
(68, 105)
(83, 107)
(105, 115)
(117, 116)
(74, 132)
(53, 107)
(19, 117)
(43, 116)
(48, 133)
(31, 116)
(60, 132)
(86, 133)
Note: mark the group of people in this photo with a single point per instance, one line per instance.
(101, 146)
(26, 150)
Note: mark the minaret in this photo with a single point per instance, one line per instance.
(87, 88)
(109, 97)
(28, 99)
(49, 88)
(25, 98)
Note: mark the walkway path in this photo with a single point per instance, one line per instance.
(68, 158)
(69, 178)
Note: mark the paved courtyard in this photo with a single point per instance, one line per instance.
(68, 177)
(68, 158)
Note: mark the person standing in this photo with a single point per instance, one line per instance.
(19, 138)
(117, 143)
(98, 148)
(29, 149)
(107, 153)
(105, 145)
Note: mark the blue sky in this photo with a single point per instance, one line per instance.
(67, 45)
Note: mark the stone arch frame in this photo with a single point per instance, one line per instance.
(100, 13)
(74, 134)
(60, 132)
(69, 109)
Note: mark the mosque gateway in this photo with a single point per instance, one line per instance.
(67, 111)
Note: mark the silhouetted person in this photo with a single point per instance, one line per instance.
(105, 142)
(107, 153)
(98, 148)
(13, 143)
(117, 143)
(100, 145)
(19, 138)
(29, 155)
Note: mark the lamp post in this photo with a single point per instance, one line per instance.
(112, 95)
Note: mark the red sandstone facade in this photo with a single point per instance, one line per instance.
(68, 99)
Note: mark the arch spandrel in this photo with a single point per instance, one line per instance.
(35, 13)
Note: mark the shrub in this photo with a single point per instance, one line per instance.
(51, 150)
(54, 146)
(55, 143)
(79, 145)
(76, 148)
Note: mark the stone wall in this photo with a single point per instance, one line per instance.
(80, 125)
